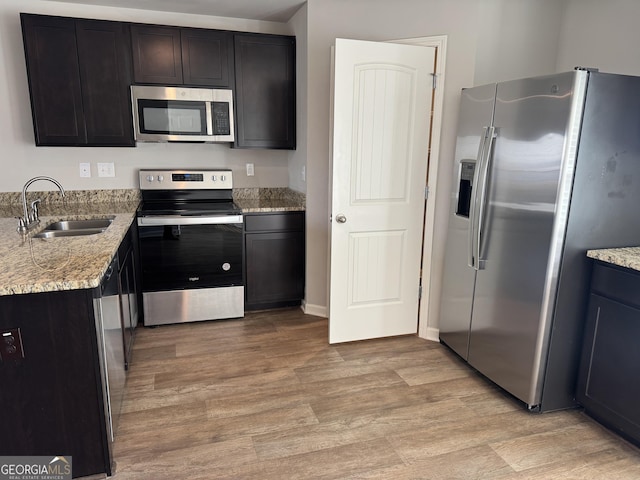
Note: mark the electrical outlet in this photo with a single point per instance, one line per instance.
(85, 170)
(106, 170)
(250, 171)
(11, 345)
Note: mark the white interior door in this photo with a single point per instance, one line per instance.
(381, 118)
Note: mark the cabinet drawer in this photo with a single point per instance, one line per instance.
(616, 283)
(265, 222)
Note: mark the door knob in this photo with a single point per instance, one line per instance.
(340, 218)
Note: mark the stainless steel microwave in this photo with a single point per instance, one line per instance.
(177, 114)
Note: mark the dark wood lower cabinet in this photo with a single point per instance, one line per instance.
(609, 378)
(274, 260)
(51, 400)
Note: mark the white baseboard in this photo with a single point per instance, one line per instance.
(316, 310)
(433, 334)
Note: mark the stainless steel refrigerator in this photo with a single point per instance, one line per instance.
(546, 168)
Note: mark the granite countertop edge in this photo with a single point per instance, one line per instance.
(628, 257)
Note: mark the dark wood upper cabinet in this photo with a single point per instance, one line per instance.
(54, 80)
(182, 56)
(105, 74)
(157, 56)
(207, 57)
(265, 91)
(79, 76)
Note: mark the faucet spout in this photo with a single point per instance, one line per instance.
(29, 220)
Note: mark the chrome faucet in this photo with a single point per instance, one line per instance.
(31, 219)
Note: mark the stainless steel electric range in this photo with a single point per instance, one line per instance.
(190, 234)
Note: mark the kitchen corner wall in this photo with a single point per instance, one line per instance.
(603, 35)
(523, 25)
(20, 159)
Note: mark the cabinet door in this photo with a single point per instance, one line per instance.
(275, 268)
(207, 57)
(608, 384)
(157, 56)
(105, 73)
(54, 80)
(265, 91)
(51, 401)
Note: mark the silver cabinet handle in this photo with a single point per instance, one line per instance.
(340, 218)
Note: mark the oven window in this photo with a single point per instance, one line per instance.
(190, 256)
(172, 117)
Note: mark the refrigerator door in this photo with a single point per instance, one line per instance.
(476, 113)
(531, 119)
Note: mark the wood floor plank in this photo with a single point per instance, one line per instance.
(266, 397)
(330, 463)
(478, 463)
(448, 436)
(557, 445)
(344, 431)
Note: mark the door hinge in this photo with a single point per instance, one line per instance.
(434, 77)
(426, 192)
(419, 292)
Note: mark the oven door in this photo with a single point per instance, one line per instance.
(191, 268)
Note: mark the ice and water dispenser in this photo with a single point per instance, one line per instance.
(467, 169)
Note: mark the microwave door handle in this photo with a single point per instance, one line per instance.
(209, 115)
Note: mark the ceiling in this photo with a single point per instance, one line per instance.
(267, 10)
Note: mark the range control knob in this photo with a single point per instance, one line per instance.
(214, 178)
(150, 178)
(160, 178)
(223, 177)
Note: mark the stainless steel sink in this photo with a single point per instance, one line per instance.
(68, 233)
(93, 223)
(75, 228)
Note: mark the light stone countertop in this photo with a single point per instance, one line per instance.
(33, 265)
(628, 257)
(265, 205)
(264, 200)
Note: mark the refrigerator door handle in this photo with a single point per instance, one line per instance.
(482, 195)
(472, 233)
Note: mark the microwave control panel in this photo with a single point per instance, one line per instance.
(221, 118)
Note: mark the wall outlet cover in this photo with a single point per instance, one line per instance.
(85, 170)
(106, 170)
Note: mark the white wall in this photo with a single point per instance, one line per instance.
(603, 35)
(298, 158)
(518, 38)
(21, 160)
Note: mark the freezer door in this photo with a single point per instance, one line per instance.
(531, 118)
(476, 112)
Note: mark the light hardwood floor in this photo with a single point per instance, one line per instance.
(266, 397)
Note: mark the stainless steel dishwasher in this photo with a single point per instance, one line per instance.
(109, 328)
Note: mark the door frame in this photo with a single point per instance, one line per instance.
(428, 304)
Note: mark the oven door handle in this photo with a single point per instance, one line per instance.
(183, 220)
